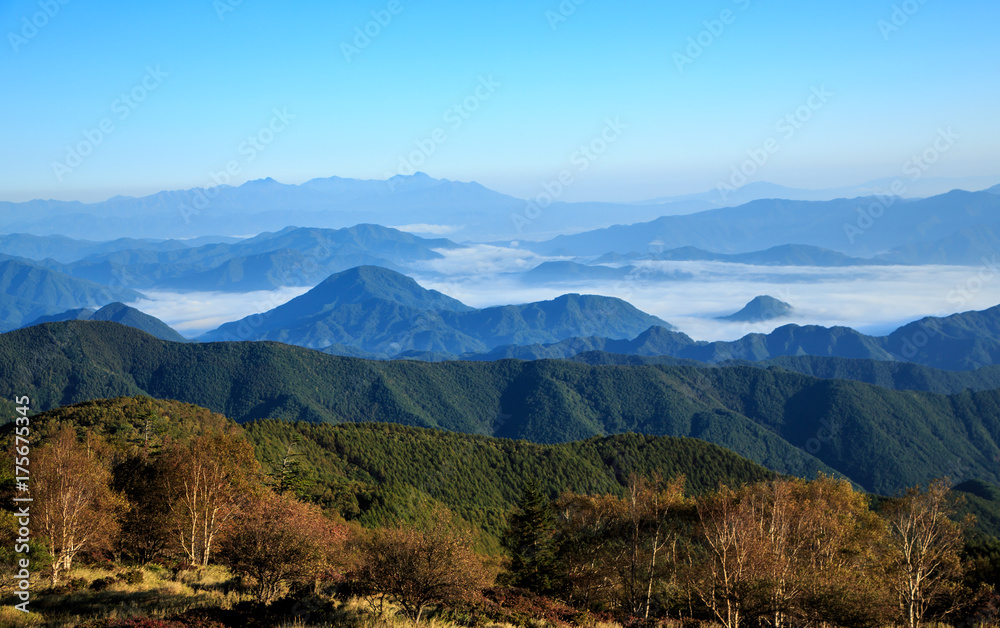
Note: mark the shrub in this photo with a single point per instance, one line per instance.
(132, 576)
(102, 583)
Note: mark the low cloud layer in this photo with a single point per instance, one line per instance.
(194, 313)
(425, 229)
(872, 299)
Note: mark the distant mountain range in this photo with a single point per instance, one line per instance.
(377, 313)
(290, 257)
(783, 255)
(59, 248)
(466, 211)
(756, 190)
(460, 210)
(788, 422)
(862, 227)
(384, 313)
(656, 341)
(963, 341)
(974, 246)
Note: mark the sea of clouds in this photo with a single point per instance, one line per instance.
(872, 299)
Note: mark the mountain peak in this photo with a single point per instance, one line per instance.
(264, 181)
(761, 308)
(365, 283)
(125, 315)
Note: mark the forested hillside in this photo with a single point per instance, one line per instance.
(881, 439)
(381, 474)
(894, 375)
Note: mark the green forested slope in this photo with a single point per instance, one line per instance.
(379, 473)
(882, 439)
(895, 375)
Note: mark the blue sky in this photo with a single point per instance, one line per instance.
(216, 72)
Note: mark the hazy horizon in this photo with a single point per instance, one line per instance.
(920, 188)
(635, 102)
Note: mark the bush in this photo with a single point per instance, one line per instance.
(132, 576)
(520, 607)
(279, 541)
(102, 583)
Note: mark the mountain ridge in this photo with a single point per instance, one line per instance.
(770, 416)
(29, 291)
(380, 311)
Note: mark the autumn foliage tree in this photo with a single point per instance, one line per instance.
(788, 551)
(588, 548)
(619, 552)
(420, 568)
(728, 563)
(75, 508)
(925, 548)
(647, 527)
(277, 540)
(209, 481)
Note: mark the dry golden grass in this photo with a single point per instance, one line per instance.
(162, 594)
(10, 617)
(159, 595)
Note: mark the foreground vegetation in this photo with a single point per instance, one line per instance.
(183, 518)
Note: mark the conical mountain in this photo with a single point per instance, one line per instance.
(762, 308)
(386, 313)
(366, 307)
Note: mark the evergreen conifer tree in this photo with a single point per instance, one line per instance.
(529, 539)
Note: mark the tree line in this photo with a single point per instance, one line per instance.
(776, 552)
(784, 552)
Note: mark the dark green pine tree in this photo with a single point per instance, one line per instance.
(288, 475)
(530, 541)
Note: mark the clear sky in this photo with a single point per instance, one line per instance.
(550, 77)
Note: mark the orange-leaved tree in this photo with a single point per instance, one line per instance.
(277, 540)
(74, 508)
(210, 480)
